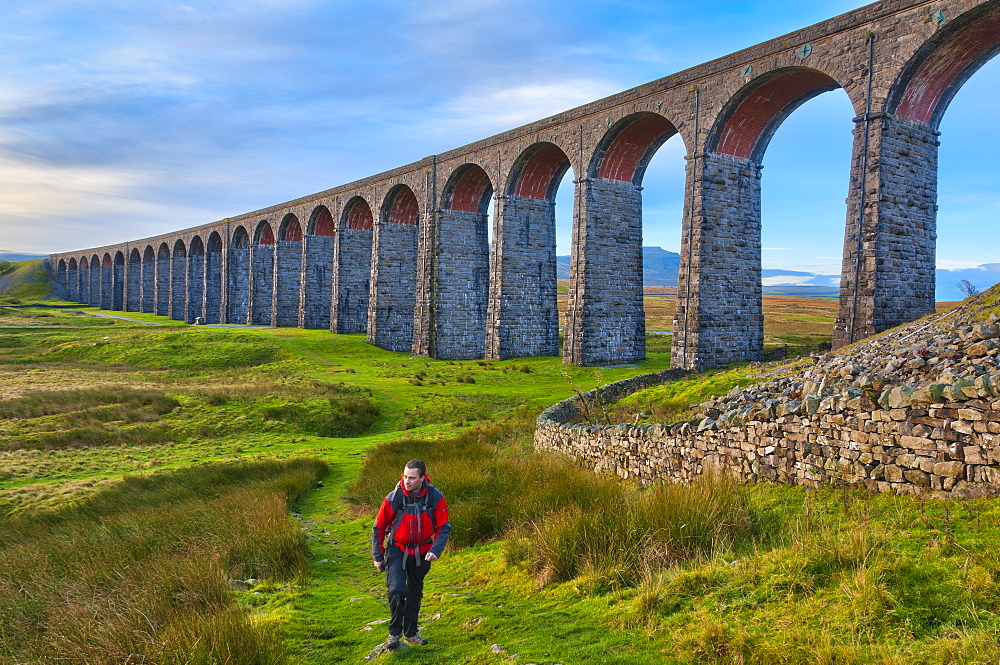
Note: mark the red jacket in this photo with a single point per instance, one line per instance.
(418, 531)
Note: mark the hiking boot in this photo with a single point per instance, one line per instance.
(392, 642)
(416, 639)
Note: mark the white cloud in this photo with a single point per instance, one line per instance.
(487, 110)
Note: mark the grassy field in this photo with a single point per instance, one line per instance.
(198, 494)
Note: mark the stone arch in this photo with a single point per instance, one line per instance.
(605, 317)
(287, 272)
(400, 207)
(238, 269)
(749, 119)
(352, 268)
(537, 172)
(178, 281)
(317, 269)
(262, 274)
(452, 325)
(62, 277)
(95, 274)
(358, 215)
(523, 318)
(118, 282)
(107, 281)
(929, 81)
(149, 280)
(625, 151)
(133, 280)
(84, 276)
(469, 189)
(214, 284)
(394, 271)
(72, 280)
(321, 222)
(195, 296)
(163, 280)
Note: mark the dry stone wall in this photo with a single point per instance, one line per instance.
(915, 412)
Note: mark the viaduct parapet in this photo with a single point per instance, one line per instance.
(404, 255)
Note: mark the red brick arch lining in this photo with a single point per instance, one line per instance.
(629, 145)
(469, 189)
(264, 234)
(290, 229)
(106, 262)
(400, 206)
(95, 261)
(939, 69)
(358, 215)
(538, 171)
(754, 113)
(321, 222)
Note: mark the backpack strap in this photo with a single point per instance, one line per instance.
(397, 499)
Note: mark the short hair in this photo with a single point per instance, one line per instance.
(418, 465)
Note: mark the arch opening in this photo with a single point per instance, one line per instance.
(287, 273)
(238, 276)
(523, 319)
(351, 278)
(940, 67)
(321, 222)
(262, 275)
(750, 118)
(453, 286)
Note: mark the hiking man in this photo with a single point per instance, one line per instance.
(415, 517)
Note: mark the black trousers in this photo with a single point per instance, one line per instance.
(405, 583)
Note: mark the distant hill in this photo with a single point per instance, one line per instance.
(17, 256)
(659, 267)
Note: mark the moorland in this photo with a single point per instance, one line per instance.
(204, 494)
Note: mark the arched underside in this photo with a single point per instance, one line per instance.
(625, 152)
(321, 222)
(290, 229)
(468, 190)
(939, 69)
(264, 235)
(539, 171)
(401, 206)
(358, 215)
(753, 115)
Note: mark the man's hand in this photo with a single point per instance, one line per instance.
(379, 565)
(430, 556)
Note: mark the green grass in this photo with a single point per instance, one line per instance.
(24, 281)
(548, 560)
(678, 400)
(140, 572)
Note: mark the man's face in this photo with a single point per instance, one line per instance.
(412, 479)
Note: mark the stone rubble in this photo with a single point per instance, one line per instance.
(913, 410)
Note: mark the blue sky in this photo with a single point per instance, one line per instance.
(122, 120)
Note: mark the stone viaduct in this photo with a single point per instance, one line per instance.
(404, 255)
